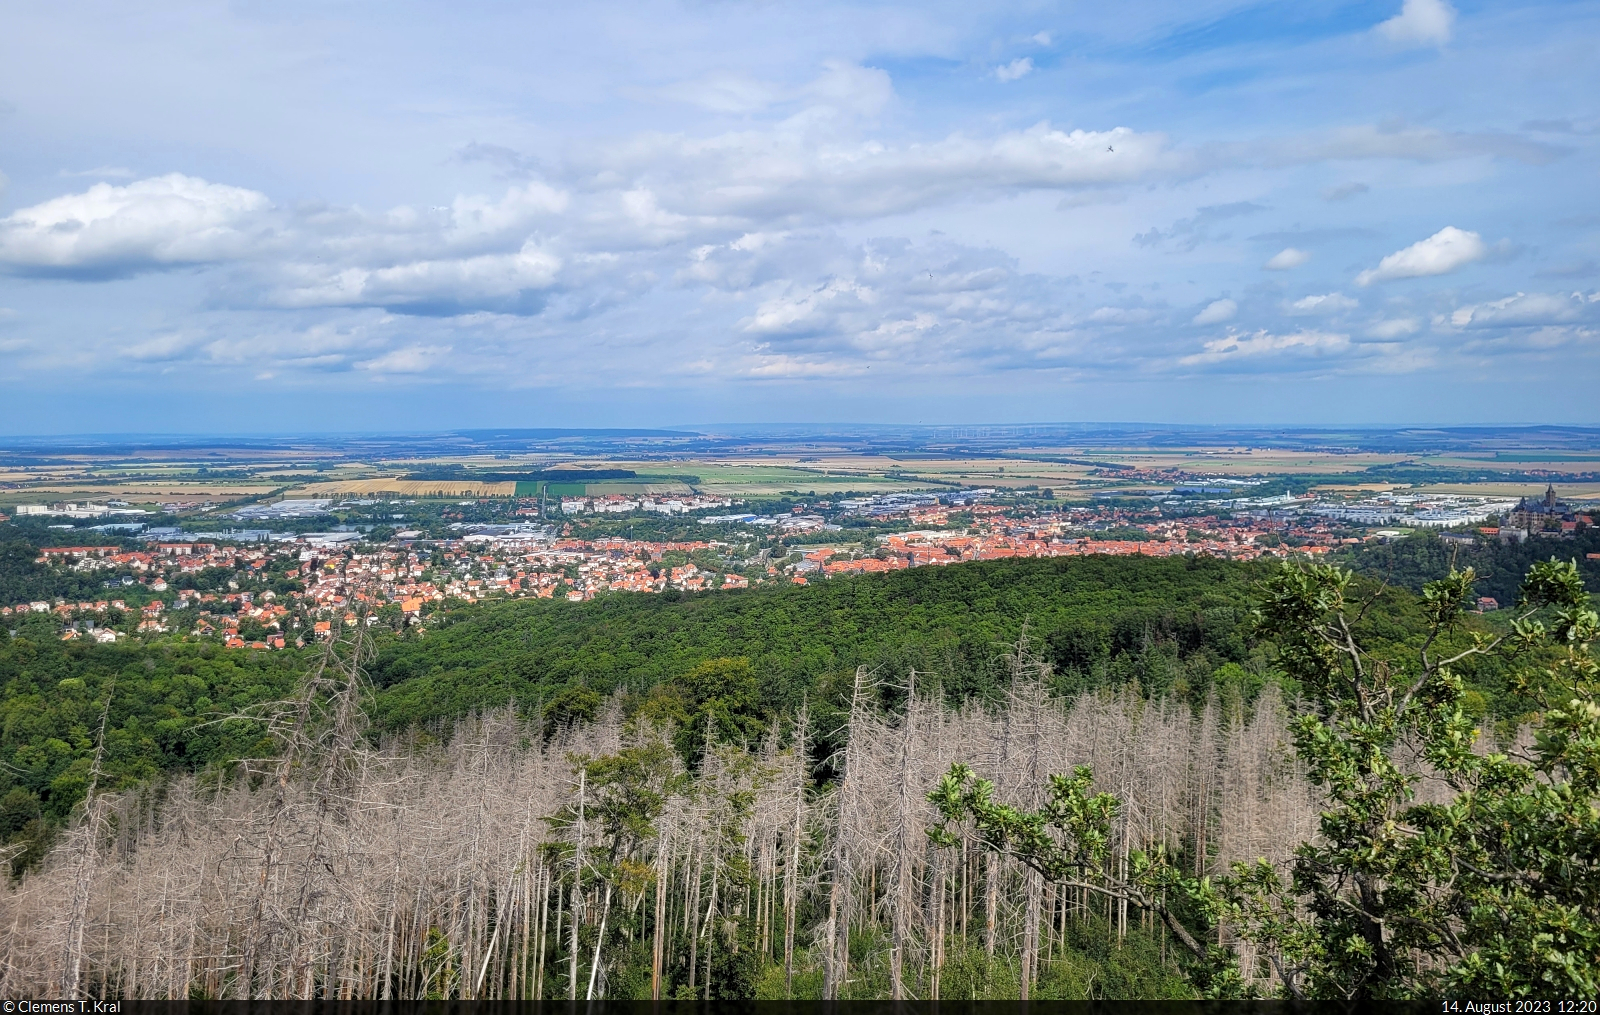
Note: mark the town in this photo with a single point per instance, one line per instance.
(259, 589)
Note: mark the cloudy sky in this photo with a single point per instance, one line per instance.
(280, 216)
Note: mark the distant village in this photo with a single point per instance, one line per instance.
(270, 590)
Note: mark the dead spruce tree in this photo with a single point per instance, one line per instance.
(496, 858)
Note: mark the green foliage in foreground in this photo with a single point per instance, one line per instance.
(1496, 893)
(1087, 963)
(1493, 894)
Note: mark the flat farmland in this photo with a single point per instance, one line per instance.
(1244, 461)
(1565, 491)
(1519, 462)
(134, 493)
(759, 479)
(405, 488)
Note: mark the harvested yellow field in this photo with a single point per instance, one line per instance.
(407, 488)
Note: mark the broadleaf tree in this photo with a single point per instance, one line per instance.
(1493, 892)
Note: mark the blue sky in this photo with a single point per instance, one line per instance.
(293, 216)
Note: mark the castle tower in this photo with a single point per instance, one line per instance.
(1550, 496)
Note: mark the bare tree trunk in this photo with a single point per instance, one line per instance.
(658, 949)
(899, 934)
(544, 930)
(991, 901)
(936, 958)
(594, 966)
(1030, 932)
(791, 874)
(711, 909)
(838, 949)
(577, 883)
(87, 857)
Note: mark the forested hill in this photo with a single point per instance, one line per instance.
(1424, 557)
(1167, 622)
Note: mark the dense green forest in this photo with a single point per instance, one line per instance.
(1164, 622)
(1169, 626)
(1424, 557)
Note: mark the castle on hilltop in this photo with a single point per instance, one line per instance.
(1547, 516)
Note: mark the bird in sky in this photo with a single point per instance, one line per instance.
(1110, 149)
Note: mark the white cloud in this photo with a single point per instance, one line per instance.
(1527, 310)
(864, 91)
(1394, 327)
(1216, 312)
(808, 310)
(413, 359)
(1020, 67)
(446, 285)
(842, 87)
(1328, 303)
(1286, 258)
(163, 221)
(1443, 252)
(101, 172)
(1263, 343)
(1420, 23)
(786, 367)
(755, 179)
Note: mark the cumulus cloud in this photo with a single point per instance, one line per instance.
(1216, 312)
(1327, 303)
(443, 286)
(819, 307)
(1420, 23)
(809, 310)
(751, 179)
(161, 222)
(1021, 66)
(1288, 257)
(1443, 252)
(1259, 344)
(1525, 310)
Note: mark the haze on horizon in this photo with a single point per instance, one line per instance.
(301, 217)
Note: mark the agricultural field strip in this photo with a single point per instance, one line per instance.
(826, 472)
